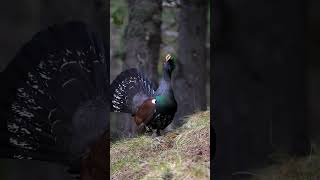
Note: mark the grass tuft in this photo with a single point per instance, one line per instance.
(292, 168)
(180, 154)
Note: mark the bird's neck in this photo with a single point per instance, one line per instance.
(165, 83)
(165, 88)
(166, 75)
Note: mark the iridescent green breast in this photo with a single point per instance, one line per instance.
(166, 103)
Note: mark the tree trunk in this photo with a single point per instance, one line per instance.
(259, 85)
(190, 76)
(313, 47)
(143, 38)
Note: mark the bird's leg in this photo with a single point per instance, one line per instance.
(157, 136)
(141, 129)
(158, 132)
(155, 133)
(148, 130)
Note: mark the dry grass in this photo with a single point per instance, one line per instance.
(292, 168)
(181, 154)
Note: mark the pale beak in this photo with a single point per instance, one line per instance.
(168, 56)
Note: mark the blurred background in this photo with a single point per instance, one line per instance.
(143, 32)
(20, 20)
(266, 89)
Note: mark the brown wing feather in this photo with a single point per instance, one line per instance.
(145, 112)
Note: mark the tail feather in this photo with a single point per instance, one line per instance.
(128, 91)
(43, 86)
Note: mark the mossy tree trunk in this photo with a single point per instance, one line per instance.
(142, 47)
(190, 77)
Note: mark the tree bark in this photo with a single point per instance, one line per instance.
(143, 38)
(189, 80)
(313, 48)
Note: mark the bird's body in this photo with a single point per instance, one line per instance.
(132, 92)
(53, 102)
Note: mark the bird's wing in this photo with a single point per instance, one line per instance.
(53, 95)
(129, 90)
(145, 112)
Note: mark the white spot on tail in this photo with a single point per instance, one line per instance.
(35, 86)
(67, 63)
(21, 157)
(50, 113)
(12, 127)
(44, 76)
(116, 107)
(70, 80)
(25, 131)
(21, 144)
(68, 51)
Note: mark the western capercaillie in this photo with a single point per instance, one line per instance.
(132, 92)
(54, 103)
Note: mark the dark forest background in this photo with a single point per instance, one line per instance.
(265, 64)
(266, 86)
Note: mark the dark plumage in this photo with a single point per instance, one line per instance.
(132, 92)
(53, 98)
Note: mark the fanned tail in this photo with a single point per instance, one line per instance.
(43, 86)
(128, 91)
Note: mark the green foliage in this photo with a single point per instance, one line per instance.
(119, 20)
(118, 16)
(118, 12)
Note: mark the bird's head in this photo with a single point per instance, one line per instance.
(169, 63)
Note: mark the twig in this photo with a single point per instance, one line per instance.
(245, 172)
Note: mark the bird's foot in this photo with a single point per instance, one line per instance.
(154, 133)
(141, 129)
(157, 133)
(148, 131)
(147, 128)
(160, 132)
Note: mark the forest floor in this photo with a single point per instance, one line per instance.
(292, 168)
(180, 154)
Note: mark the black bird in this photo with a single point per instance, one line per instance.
(53, 101)
(132, 92)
